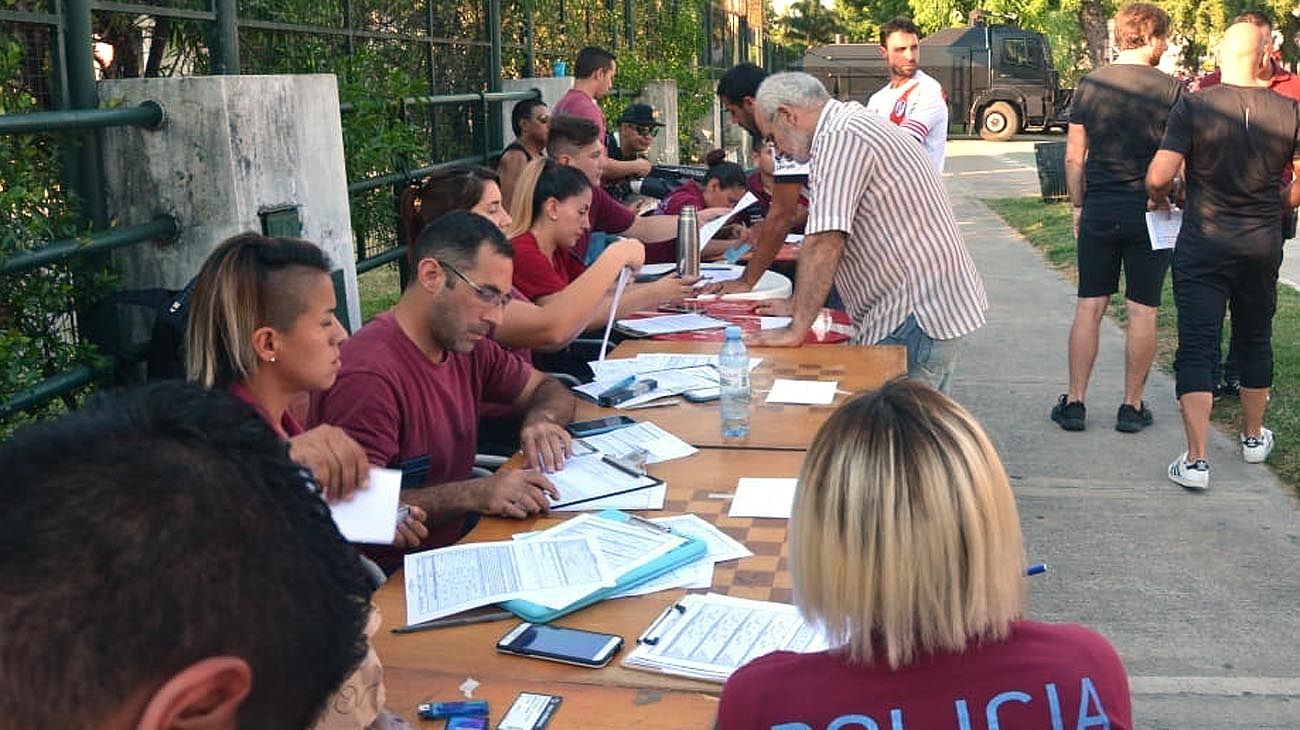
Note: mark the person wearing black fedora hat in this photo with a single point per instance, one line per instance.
(637, 128)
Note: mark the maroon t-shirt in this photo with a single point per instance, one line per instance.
(576, 103)
(607, 215)
(288, 426)
(536, 274)
(413, 414)
(1043, 677)
(689, 193)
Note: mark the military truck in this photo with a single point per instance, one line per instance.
(999, 78)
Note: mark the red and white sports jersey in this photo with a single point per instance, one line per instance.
(919, 107)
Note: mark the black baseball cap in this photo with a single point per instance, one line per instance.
(640, 114)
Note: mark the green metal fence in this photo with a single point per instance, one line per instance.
(432, 46)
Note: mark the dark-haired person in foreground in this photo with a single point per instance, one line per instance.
(166, 566)
(413, 380)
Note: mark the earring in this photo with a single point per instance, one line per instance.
(273, 358)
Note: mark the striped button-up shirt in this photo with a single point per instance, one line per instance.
(904, 254)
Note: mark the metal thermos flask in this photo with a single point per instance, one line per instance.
(688, 242)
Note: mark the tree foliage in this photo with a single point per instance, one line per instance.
(807, 23)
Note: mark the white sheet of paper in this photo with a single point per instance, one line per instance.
(806, 392)
(457, 578)
(774, 323)
(612, 370)
(695, 574)
(658, 444)
(710, 229)
(370, 516)
(763, 497)
(657, 269)
(670, 323)
(1163, 227)
(718, 274)
(794, 238)
(673, 382)
(623, 278)
(722, 547)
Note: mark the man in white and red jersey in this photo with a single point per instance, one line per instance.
(912, 100)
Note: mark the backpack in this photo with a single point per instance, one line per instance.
(164, 353)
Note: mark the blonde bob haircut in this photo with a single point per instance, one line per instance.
(248, 282)
(905, 538)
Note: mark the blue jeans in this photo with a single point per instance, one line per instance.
(928, 359)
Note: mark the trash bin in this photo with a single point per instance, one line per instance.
(1051, 170)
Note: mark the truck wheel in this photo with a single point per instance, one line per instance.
(998, 122)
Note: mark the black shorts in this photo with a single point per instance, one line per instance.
(1108, 238)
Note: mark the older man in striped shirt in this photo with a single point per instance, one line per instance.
(880, 227)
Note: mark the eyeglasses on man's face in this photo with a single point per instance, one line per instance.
(488, 295)
(646, 130)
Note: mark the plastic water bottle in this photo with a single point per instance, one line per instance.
(733, 372)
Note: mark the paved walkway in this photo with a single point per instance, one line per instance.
(1199, 592)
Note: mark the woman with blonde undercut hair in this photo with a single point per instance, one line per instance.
(906, 550)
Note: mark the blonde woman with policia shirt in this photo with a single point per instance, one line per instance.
(905, 548)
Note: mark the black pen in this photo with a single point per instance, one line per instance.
(440, 623)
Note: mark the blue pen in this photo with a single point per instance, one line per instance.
(621, 384)
(1036, 568)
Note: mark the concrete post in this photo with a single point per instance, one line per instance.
(662, 95)
(552, 89)
(235, 153)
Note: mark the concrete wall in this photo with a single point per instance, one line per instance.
(662, 95)
(231, 147)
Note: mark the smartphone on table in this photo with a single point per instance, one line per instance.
(703, 395)
(558, 644)
(595, 426)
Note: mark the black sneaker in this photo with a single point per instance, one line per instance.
(1070, 416)
(1132, 420)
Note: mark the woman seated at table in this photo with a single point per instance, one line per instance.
(455, 187)
(905, 548)
(723, 186)
(262, 326)
(550, 212)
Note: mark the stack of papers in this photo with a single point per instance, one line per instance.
(646, 363)
(667, 383)
(709, 636)
(591, 482)
(640, 439)
(697, 574)
(624, 547)
(457, 578)
(671, 323)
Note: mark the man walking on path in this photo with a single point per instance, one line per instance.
(912, 99)
(880, 226)
(1116, 122)
(1230, 137)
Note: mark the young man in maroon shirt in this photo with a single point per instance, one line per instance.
(414, 378)
(594, 71)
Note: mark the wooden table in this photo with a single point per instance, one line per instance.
(771, 426)
(434, 663)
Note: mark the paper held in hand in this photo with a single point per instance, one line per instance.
(710, 229)
(1163, 227)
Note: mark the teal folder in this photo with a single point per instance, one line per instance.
(692, 549)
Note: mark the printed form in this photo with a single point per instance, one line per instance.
(624, 546)
(585, 480)
(454, 579)
(709, 636)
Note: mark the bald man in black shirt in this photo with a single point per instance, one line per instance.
(1231, 138)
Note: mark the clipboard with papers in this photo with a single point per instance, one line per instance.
(636, 549)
